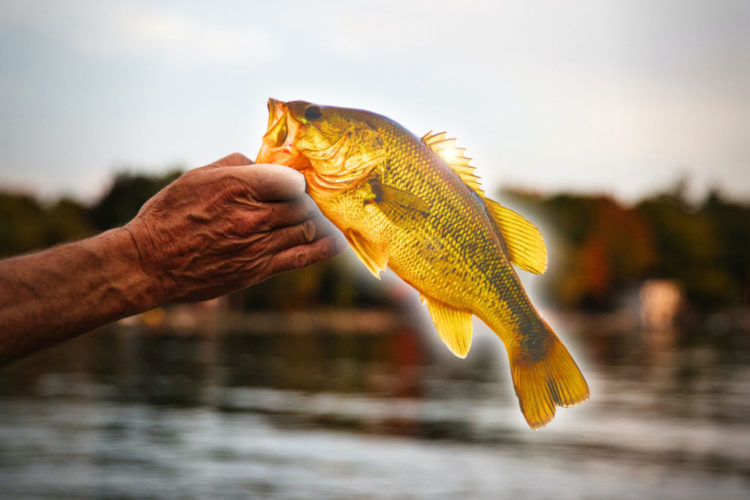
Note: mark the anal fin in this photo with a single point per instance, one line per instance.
(453, 326)
(374, 258)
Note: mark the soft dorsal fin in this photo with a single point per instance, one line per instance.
(453, 157)
(375, 258)
(453, 326)
(524, 240)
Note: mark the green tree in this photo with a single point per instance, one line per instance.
(22, 223)
(125, 197)
(602, 247)
(687, 248)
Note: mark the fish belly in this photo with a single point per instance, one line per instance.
(461, 271)
(454, 256)
(465, 268)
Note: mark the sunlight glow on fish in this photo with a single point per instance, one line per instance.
(416, 206)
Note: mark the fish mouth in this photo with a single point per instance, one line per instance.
(279, 142)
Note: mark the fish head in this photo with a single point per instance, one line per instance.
(334, 147)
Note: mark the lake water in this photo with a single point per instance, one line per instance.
(123, 413)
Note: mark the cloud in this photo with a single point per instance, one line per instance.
(104, 29)
(587, 94)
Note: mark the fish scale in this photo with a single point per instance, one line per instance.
(457, 220)
(407, 204)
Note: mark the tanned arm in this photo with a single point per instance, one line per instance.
(50, 296)
(216, 229)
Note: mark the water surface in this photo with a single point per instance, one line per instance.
(124, 413)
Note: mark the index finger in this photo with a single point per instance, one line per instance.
(274, 182)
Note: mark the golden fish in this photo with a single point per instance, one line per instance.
(416, 206)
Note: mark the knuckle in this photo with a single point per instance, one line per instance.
(262, 220)
(238, 158)
(192, 175)
(227, 177)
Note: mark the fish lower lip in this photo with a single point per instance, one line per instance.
(277, 132)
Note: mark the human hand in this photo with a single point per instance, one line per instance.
(226, 226)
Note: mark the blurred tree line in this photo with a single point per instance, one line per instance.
(27, 224)
(599, 247)
(602, 247)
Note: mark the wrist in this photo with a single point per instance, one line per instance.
(144, 289)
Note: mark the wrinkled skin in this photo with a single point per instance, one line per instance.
(216, 229)
(226, 226)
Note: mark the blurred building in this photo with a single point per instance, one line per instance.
(660, 301)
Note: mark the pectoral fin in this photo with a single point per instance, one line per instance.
(454, 326)
(525, 241)
(374, 257)
(397, 204)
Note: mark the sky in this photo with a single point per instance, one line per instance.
(619, 97)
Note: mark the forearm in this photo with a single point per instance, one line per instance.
(53, 295)
(215, 230)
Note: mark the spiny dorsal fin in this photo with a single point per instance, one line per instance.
(454, 326)
(525, 242)
(453, 157)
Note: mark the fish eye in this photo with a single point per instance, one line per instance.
(313, 112)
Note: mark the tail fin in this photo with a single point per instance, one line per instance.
(545, 379)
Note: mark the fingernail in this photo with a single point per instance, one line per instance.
(308, 230)
(300, 260)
